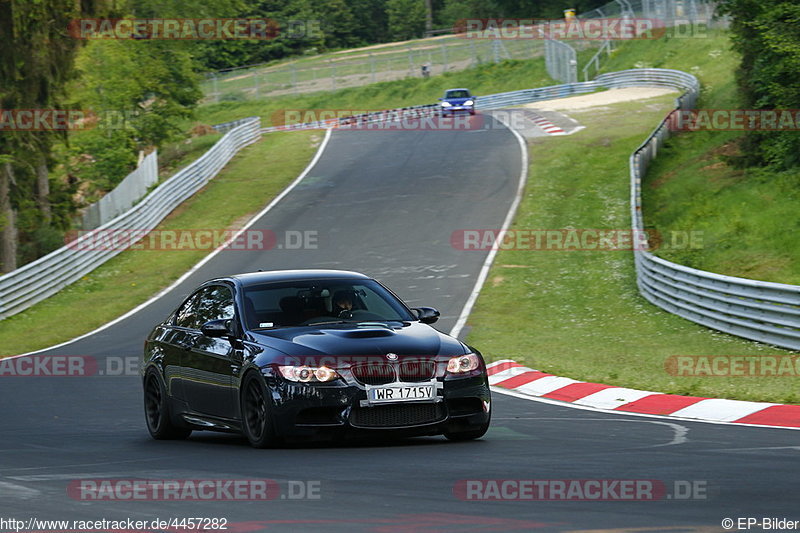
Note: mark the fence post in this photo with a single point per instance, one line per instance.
(216, 87)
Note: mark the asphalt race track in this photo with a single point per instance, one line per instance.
(384, 203)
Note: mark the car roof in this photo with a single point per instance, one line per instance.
(269, 276)
(457, 89)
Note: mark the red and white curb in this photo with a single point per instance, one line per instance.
(511, 375)
(544, 124)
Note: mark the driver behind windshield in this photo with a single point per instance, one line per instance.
(343, 304)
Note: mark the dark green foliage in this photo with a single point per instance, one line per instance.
(767, 34)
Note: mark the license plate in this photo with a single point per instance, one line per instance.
(401, 393)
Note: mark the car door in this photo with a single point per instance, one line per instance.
(175, 338)
(208, 364)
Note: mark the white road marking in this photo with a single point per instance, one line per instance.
(510, 392)
(507, 374)
(546, 385)
(487, 264)
(679, 436)
(20, 492)
(613, 397)
(757, 449)
(723, 410)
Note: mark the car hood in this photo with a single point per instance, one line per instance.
(457, 101)
(356, 340)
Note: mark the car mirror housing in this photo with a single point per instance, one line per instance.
(216, 328)
(426, 315)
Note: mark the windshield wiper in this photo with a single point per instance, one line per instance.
(382, 321)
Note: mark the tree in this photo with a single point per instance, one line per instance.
(406, 18)
(139, 91)
(36, 61)
(767, 34)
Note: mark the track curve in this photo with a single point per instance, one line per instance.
(384, 203)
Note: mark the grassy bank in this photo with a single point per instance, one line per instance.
(242, 189)
(578, 313)
(484, 79)
(747, 218)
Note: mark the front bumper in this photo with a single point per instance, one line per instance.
(338, 410)
(457, 108)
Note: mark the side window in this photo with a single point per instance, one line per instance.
(185, 317)
(214, 303)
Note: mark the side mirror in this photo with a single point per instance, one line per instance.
(426, 315)
(216, 328)
(440, 99)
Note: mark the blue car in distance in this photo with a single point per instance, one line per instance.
(457, 100)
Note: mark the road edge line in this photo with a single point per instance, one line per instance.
(512, 211)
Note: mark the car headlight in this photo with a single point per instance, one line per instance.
(308, 374)
(469, 102)
(463, 363)
(446, 104)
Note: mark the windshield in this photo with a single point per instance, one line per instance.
(303, 303)
(459, 93)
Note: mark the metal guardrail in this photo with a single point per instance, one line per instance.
(757, 310)
(129, 191)
(44, 277)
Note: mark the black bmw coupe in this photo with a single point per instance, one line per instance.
(309, 354)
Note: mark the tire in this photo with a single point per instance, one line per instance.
(156, 411)
(257, 424)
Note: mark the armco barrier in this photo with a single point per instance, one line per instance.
(757, 310)
(47, 275)
(129, 191)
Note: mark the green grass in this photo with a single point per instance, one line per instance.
(578, 313)
(747, 219)
(242, 189)
(485, 79)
